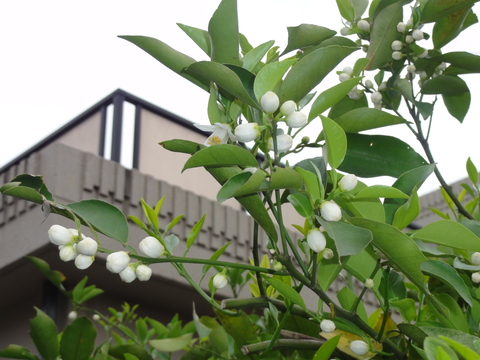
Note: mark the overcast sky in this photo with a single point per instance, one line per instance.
(58, 58)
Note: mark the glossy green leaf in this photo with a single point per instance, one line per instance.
(312, 165)
(192, 235)
(405, 307)
(172, 344)
(223, 30)
(174, 222)
(285, 178)
(331, 96)
(54, 276)
(306, 35)
(213, 111)
(104, 217)
(406, 183)
(459, 336)
(383, 33)
(362, 265)
(378, 155)
(326, 350)
(171, 241)
(254, 56)
(312, 184)
(438, 350)
(449, 276)
(445, 85)
(426, 109)
(448, 312)
(227, 79)
(360, 6)
(269, 76)
(43, 332)
(286, 291)
(448, 233)
(78, 340)
(182, 146)
(380, 191)
(345, 105)
(215, 256)
(119, 351)
(232, 185)
(413, 332)
(468, 62)
(17, 352)
(407, 212)
(335, 142)
(449, 27)
(150, 214)
(347, 299)
(349, 239)
(472, 171)
(346, 10)
(457, 105)
(169, 57)
(301, 203)
(464, 351)
(199, 36)
(220, 156)
(253, 184)
(400, 249)
(369, 208)
(310, 70)
(437, 10)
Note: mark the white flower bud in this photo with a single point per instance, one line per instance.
(409, 39)
(476, 277)
(316, 240)
(369, 84)
(424, 54)
(442, 66)
(382, 86)
(401, 27)
(247, 132)
(417, 35)
(344, 76)
(284, 143)
(369, 284)
(397, 55)
(296, 119)
(355, 93)
(128, 274)
(87, 246)
(251, 170)
(277, 265)
(349, 181)
(151, 247)
(328, 254)
(378, 106)
(475, 259)
(59, 235)
(344, 31)
(348, 70)
(288, 107)
(423, 74)
(376, 97)
(363, 25)
(327, 326)
(143, 272)
(410, 22)
(269, 102)
(117, 261)
(72, 315)
(330, 211)
(96, 317)
(67, 253)
(75, 233)
(411, 68)
(397, 45)
(220, 281)
(82, 262)
(359, 347)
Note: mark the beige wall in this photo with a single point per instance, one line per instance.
(85, 136)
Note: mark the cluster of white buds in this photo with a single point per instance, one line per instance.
(359, 347)
(355, 93)
(220, 280)
(345, 74)
(327, 326)
(330, 211)
(377, 99)
(369, 84)
(316, 240)
(73, 246)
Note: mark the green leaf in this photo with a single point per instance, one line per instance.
(406, 183)
(202, 330)
(438, 350)
(172, 223)
(214, 115)
(199, 36)
(468, 62)
(232, 185)
(349, 239)
(169, 57)
(346, 10)
(472, 171)
(223, 30)
(172, 344)
(448, 233)
(17, 352)
(171, 241)
(215, 256)
(377, 191)
(448, 312)
(226, 78)
(301, 203)
(220, 156)
(326, 350)
(457, 105)
(192, 235)
(332, 96)
(455, 335)
(378, 155)
(335, 142)
(182, 146)
(43, 332)
(254, 56)
(407, 212)
(253, 184)
(449, 27)
(362, 265)
(310, 70)
(406, 308)
(54, 276)
(347, 299)
(285, 178)
(383, 33)
(400, 249)
(269, 76)
(151, 215)
(464, 351)
(104, 217)
(345, 105)
(286, 291)
(426, 109)
(445, 85)
(78, 340)
(413, 332)
(362, 119)
(437, 10)
(449, 276)
(312, 184)
(119, 351)
(312, 165)
(305, 35)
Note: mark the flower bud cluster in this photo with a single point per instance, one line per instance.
(73, 246)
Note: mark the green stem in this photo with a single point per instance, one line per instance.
(293, 344)
(359, 298)
(276, 335)
(256, 260)
(262, 302)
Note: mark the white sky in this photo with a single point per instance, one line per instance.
(58, 58)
